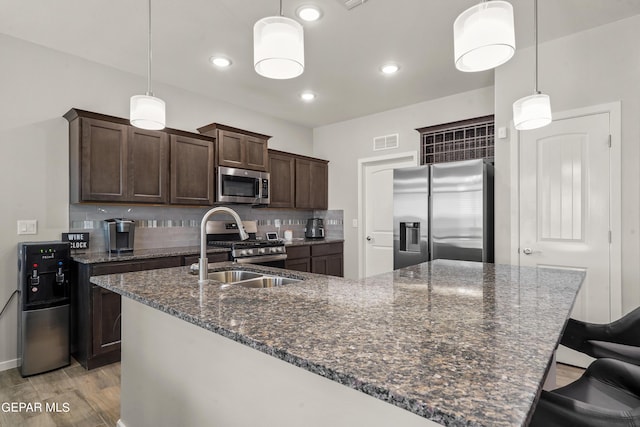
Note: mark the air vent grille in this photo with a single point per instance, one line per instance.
(350, 4)
(386, 142)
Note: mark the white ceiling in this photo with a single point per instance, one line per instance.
(343, 50)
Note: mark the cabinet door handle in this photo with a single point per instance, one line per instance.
(527, 251)
(369, 238)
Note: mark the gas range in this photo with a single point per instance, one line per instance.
(253, 251)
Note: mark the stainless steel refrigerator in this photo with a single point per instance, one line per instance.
(443, 211)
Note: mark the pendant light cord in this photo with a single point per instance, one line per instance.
(535, 36)
(281, 14)
(149, 92)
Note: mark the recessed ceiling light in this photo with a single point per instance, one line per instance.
(309, 13)
(389, 68)
(308, 96)
(220, 61)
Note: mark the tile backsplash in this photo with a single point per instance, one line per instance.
(161, 227)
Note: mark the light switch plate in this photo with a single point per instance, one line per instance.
(354, 223)
(27, 226)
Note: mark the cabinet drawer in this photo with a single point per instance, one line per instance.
(296, 252)
(129, 266)
(326, 249)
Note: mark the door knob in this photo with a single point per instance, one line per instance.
(368, 238)
(527, 251)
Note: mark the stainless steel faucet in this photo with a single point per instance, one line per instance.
(203, 263)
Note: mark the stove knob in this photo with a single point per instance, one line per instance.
(262, 250)
(243, 252)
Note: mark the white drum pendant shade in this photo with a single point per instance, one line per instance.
(147, 112)
(532, 112)
(278, 47)
(484, 36)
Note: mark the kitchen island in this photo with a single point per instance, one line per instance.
(447, 342)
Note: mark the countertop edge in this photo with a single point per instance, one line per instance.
(347, 380)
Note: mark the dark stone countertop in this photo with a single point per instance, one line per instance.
(305, 242)
(99, 257)
(459, 343)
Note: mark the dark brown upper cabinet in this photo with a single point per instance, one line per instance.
(237, 148)
(98, 160)
(312, 183)
(112, 161)
(147, 166)
(282, 169)
(192, 180)
(298, 181)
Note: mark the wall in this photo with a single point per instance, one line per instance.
(38, 86)
(345, 142)
(584, 69)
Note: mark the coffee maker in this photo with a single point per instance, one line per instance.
(314, 229)
(119, 234)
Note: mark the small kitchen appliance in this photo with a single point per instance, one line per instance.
(43, 306)
(119, 234)
(314, 228)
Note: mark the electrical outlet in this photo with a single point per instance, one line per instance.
(27, 226)
(354, 223)
(276, 222)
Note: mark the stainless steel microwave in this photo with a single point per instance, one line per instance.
(243, 186)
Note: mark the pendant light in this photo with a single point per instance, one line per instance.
(533, 111)
(147, 111)
(278, 47)
(484, 36)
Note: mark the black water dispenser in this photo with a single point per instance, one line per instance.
(43, 307)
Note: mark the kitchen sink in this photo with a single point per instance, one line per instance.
(231, 276)
(266, 282)
(249, 279)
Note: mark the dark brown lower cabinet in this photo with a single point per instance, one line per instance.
(298, 258)
(106, 321)
(330, 265)
(327, 259)
(95, 311)
(299, 265)
(321, 258)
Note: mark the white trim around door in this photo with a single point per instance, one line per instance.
(410, 156)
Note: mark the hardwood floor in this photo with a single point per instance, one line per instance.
(91, 398)
(566, 374)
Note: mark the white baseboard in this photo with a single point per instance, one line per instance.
(8, 364)
(120, 424)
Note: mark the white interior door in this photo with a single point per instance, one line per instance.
(565, 209)
(377, 213)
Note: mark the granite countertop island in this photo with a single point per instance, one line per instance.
(457, 343)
